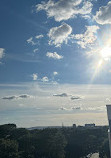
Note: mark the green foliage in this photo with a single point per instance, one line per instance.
(83, 141)
(56, 145)
(104, 149)
(8, 149)
(6, 130)
(52, 143)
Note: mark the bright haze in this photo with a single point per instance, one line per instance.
(55, 62)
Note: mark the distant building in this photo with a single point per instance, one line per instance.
(80, 127)
(109, 120)
(74, 126)
(92, 125)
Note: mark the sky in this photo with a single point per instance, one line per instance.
(55, 61)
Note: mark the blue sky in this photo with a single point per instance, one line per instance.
(32, 31)
(53, 43)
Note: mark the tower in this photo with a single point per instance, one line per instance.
(109, 130)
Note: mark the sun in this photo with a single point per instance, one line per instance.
(106, 53)
(99, 63)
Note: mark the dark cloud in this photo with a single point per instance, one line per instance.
(22, 96)
(67, 95)
(10, 97)
(61, 95)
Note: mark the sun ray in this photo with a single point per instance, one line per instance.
(98, 67)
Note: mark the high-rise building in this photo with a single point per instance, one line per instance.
(109, 120)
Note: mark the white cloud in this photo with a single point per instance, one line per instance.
(86, 8)
(59, 34)
(65, 9)
(34, 76)
(35, 50)
(75, 97)
(86, 17)
(39, 36)
(2, 52)
(43, 102)
(30, 41)
(55, 73)
(54, 55)
(45, 79)
(103, 16)
(88, 38)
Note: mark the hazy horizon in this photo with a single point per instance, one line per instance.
(47, 104)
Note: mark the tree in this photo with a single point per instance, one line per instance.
(56, 145)
(104, 149)
(8, 149)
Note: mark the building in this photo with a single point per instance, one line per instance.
(109, 120)
(74, 126)
(92, 125)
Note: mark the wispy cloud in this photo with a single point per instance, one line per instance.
(33, 40)
(88, 38)
(64, 10)
(60, 34)
(2, 52)
(30, 41)
(35, 50)
(45, 79)
(34, 76)
(55, 73)
(54, 55)
(70, 109)
(103, 16)
(39, 36)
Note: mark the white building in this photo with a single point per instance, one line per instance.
(109, 120)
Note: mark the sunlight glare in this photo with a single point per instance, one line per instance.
(106, 53)
(100, 63)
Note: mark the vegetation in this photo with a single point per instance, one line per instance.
(52, 143)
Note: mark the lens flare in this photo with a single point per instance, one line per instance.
(99, 64)
(106, 53)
